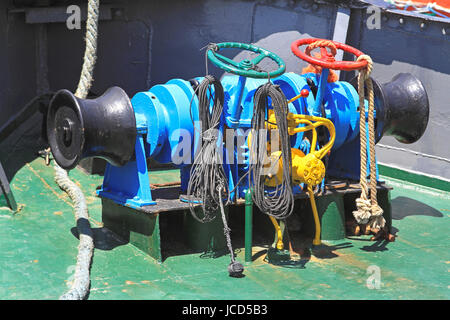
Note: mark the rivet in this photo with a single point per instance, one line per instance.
(423, 25)
(401, 21)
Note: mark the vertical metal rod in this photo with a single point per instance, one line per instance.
(236, 108)
(316, 240)
(248, 225)
(323, 80)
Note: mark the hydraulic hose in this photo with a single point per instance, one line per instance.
(280, 245)
(316, 240)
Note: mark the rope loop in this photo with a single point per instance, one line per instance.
(363, 210)
(367, 71)
(377, 221)
(210, 46)
(377, 211)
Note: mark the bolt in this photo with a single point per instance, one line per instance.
(423, 25)
(67, 136)
(400, 21)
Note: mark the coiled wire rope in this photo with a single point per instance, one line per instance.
(208, 184)
(277, 202)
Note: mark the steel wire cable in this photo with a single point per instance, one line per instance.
(208, 185)
(278, 202)
(207, 172)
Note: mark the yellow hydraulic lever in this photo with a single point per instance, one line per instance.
(308, 169)
(280, 245)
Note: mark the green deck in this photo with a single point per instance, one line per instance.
(38, 252)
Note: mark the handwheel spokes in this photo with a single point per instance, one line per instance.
(325, 55)
(244, 64)
(227, 60)
(327, 59)
(259, 58)
(246, 67)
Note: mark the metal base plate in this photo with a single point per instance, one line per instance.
(168, 198)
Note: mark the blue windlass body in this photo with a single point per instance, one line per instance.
(168, 131)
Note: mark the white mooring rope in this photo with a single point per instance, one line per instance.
(80, 285)
(90, 54)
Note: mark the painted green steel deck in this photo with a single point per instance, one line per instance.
(38, 247)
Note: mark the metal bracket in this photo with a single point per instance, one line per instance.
(6, 189)
(129, 185)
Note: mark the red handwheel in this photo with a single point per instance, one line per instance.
(327, 59)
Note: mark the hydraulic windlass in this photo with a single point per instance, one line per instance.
(279, 137)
